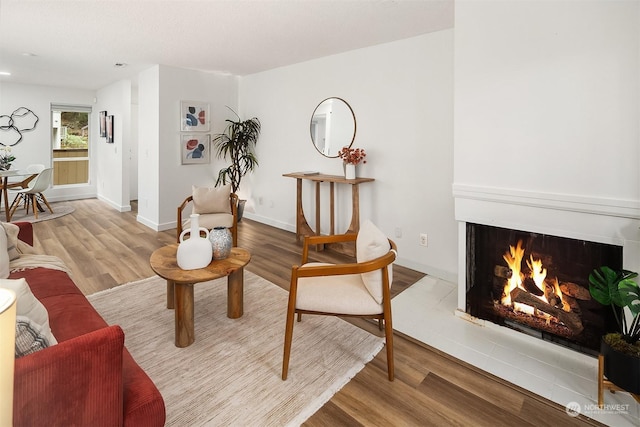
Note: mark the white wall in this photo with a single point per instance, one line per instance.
(164, 181)
(402, 95)
(113, 165)
(547, 96)
(35, 146)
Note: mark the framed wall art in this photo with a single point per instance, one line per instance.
(194, 116)
(103, 123)
(109, 129)
(195, 149)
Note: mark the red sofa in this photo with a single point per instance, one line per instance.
(88, 378)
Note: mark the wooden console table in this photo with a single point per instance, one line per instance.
(302, 226)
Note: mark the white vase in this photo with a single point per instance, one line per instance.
(350, 171)
(196, 251)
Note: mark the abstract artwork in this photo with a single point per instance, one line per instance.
(194, 116)
(109, 126)
(195, 149)
(103, 123)
(12, 127)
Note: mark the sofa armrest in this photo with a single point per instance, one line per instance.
(76, 382)
(26, 232)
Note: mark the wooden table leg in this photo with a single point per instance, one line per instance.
(170, 297)
(235, 294)
(185, 334)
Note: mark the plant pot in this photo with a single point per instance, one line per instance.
(621, 369)
(241, 209)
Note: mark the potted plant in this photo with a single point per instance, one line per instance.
(237, 143)
(621, 350)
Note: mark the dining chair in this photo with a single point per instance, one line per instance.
(359, 289)
(33, 194)
(217, 207)
(31, 172)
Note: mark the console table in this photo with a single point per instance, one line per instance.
(302, 226)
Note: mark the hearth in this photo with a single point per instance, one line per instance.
(538, 284)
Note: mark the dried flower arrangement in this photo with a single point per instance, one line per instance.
(352, 156)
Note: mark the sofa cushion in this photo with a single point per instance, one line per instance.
(211, 200)
(28, 306)
(4, 255)
(30, 337)
(12, 231)
(372, 243)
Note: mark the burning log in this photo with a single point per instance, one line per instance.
(575, 291)
(571, 320)
(502, 271)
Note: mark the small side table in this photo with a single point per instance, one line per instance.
(180, 286)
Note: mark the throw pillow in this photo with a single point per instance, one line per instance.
(4, 255)
(27, 305)
(211, 200)
(30, 337)
(12, 231)
(372, 243)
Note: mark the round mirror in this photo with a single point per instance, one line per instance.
(333, 126)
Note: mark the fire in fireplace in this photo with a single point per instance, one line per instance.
(538, 284)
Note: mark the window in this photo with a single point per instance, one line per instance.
(70, 141)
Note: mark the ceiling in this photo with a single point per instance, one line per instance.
(76, 43)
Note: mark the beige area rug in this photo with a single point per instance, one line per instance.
(231, 374)
(59, 209)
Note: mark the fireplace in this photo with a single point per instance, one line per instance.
(538, 284)
(552, 228)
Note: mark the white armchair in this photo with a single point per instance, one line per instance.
(217, 207)
(360, 289)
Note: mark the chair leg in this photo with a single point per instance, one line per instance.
(388, 327)
(288, 336)
(15, 204)
(33, 205)
(46, 202)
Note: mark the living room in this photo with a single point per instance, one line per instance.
(452, 109)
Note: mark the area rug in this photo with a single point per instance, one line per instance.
(231, 374)
(59, 209)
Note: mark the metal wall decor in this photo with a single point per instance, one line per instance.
(12, 126)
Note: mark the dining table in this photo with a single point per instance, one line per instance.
(4, 177)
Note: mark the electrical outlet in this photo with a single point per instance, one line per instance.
(398, 232)
(424, 241)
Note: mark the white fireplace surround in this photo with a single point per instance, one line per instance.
(594, 219)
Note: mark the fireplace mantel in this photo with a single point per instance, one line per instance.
(596, 219)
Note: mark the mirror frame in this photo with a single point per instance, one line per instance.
(354, 126)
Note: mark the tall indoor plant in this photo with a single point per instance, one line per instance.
(237, 143)
(621, 350)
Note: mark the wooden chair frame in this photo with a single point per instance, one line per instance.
(233, 201)
(297, 272)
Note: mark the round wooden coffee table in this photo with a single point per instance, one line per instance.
(180, 286)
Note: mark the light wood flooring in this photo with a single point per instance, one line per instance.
(105, 248)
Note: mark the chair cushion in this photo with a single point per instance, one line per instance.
(211, 200)
(209, 221)
(372, 243)
(344, 294)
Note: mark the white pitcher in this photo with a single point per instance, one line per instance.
(195, 252)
